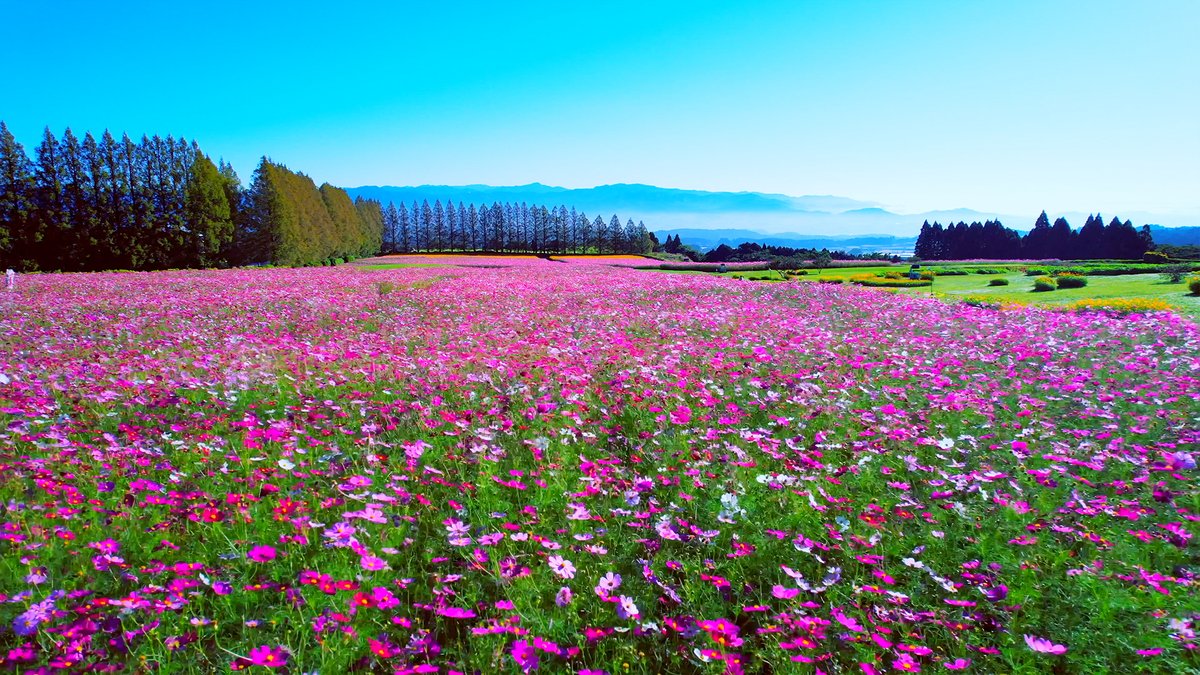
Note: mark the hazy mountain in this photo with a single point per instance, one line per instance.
(1177, 236)
(704, 240)
(805, 218)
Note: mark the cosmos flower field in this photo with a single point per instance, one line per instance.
(577, 468)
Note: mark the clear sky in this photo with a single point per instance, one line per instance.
(1008, 106)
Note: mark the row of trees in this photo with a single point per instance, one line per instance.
(507, 227)
(288, 220)
(85, 205)
(991, 240)
(109, 203)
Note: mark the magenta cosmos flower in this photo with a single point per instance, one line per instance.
(262, 554)
(271, 657)
(1044, 646)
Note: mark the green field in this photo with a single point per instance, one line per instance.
(1019, 288)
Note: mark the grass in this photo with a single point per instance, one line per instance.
(1019, 288)
(398, 266)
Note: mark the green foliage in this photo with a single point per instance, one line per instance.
(998, 282)
(1155, 257)
(1071, 280)
(1174, 274)
(1194, 285)
(207, 215)
(1044, 283)
(16, 200)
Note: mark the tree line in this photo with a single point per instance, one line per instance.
(781, 257)
(159, 203)
(507, 227)
(991, 240)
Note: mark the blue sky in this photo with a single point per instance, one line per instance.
(1009, 107)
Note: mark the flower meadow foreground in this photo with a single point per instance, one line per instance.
(573, 468)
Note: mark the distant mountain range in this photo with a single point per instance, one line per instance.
(708, 219)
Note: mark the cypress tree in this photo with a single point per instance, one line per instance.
(403, 229)
(617, 233)
(16, 203)
(370, 212)
(207, 218)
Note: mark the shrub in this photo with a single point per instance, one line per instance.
(1155, 257)
(714, 266)
(1069, 271)
(950, 272)
(1071, 280)
(1042, 284)
(1118, 305)
(1194, 285)
(888, 281)
(1174, 273)
(981, 301)
(998, 282)
(1035, 272)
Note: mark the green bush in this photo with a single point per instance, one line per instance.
(1071, 281)
(1043, 283)
(1155, 257)
(1194, 285)
(1069, 271)
(1035, 272)
(1174, 274)
(998, 282)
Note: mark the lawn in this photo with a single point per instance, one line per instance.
(1019, 290)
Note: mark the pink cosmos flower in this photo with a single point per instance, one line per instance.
(262, 554)
(562, 567)
(906, 664)
(1044, 646)
(373, 563)
(271, 657)
(608, 583)
(563, 597)
(957, 664)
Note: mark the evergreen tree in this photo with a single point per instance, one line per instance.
(428, 228)
(616, 234)
(473, 229)
(439, 226)
(603, 239)
(1147, 239)
(48, 236)
(463, 225)
(404, 230)
(16, 204)
(391, 228)
(209, 223)
(500, 231)
(349, 236)
(1061, 242)
(587, 233)
(370, 213)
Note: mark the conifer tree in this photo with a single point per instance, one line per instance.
(16, 203)
(208, 222)
(370, 212)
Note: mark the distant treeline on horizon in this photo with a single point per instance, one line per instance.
(992, 241)
(508, 227)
